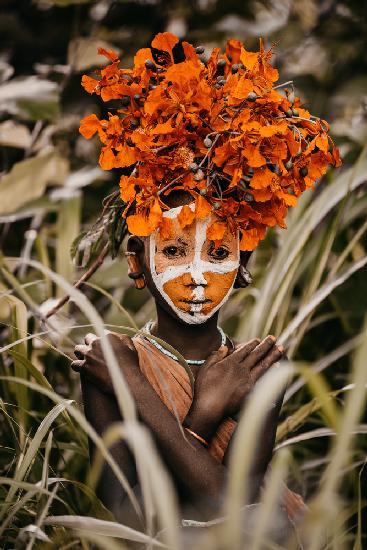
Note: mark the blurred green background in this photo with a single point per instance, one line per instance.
(51, 188)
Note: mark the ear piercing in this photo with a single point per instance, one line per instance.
(135, 271)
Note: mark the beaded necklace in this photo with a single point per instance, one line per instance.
(148, 328)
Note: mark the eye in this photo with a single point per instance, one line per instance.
(173, 251)
(220, 253)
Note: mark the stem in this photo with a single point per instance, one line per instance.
(171, 183)
(284, 84)
(209, 150)
(162, 148)
(207, 124)
(297, 118)
(87, 275)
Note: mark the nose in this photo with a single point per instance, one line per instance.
(197, 277)
(194, 279)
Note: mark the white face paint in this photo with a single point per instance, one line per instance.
(193, 278)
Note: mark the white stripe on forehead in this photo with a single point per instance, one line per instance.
(173, 212)
(196, 268)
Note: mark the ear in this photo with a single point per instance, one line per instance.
(135, 244)
(244, 277)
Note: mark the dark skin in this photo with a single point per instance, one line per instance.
(222, 385)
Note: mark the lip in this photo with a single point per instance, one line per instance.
(197, 302)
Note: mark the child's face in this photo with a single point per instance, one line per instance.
(193, 277)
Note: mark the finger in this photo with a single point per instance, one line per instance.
(90, 338)
(259, 352)
(216, 356)
(81, 351)
(77, 366)
(241, 345)
(274, 355)
(243, 350)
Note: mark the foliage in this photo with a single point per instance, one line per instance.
(309, 285)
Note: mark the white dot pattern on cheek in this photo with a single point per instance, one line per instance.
(196, 268)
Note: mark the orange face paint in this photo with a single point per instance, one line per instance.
(193, 277)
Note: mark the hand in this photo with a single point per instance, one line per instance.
(92, 363)
(224, 381)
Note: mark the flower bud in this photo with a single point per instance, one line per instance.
(303, 171)
(199, 175)
(251, 96)
(150, 65)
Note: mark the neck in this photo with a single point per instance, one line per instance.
(192, 341)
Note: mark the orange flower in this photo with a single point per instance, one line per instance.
(166, 228)
(216, 231)
(89, 126)
(220, 131)
(202, 207)
(107, 159)
(186, 216)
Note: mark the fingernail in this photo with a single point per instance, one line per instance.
(272, 337)
(281, 349)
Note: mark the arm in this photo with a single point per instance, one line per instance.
(101, 410)
(187, 459)
(220, 388)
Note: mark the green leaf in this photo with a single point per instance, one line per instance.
(28, 179)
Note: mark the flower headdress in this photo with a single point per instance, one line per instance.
(219, 130)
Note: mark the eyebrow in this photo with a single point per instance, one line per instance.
(182, 241)
(172, 240)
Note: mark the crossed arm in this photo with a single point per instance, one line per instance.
(198, 476)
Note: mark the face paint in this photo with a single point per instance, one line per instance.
(192, 277)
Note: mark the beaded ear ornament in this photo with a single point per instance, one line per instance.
(218, 128)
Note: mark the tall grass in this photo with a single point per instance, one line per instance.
(47, 490)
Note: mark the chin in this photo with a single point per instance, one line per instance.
(194, 317)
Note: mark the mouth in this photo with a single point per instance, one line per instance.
(197, 302)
